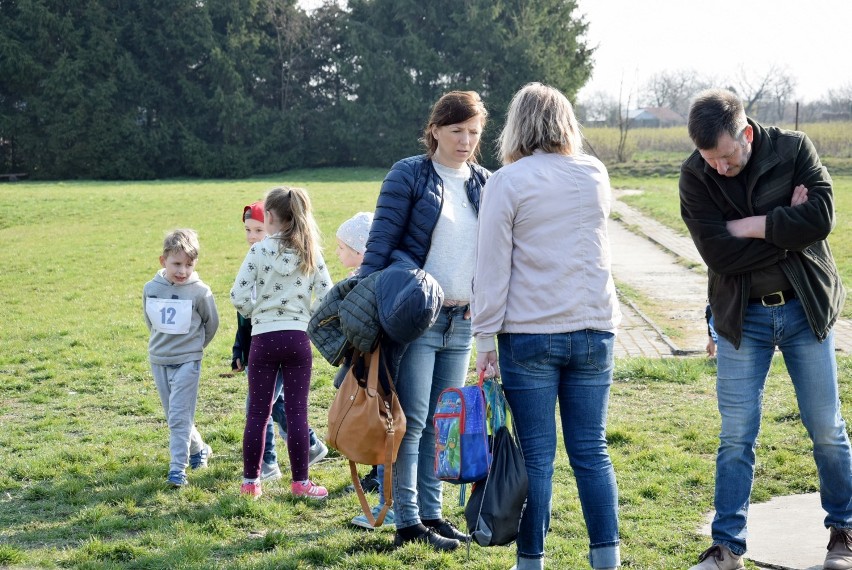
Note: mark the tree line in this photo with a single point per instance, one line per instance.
(144, 89)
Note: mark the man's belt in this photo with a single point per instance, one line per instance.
(774, 299)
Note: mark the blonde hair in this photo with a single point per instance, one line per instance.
(299, 230)
(540, 117)
(181, 241)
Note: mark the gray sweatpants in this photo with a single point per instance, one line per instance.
(177, 385)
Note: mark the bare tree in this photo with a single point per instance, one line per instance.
(598, 108)
(623, 122)
(840, 102)
(291, 28)
(764, 94)
(673, 89)
(783, 89)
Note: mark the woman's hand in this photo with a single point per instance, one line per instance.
(487, 361)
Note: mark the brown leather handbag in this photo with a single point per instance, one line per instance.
(366, 425)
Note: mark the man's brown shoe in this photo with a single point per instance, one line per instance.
(839, 555)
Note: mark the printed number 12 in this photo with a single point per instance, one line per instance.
(168, 315)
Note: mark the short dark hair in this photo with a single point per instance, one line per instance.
(713, 113)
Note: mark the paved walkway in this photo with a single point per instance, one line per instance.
(656, 260)
(785, 533)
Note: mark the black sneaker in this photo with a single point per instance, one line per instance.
(447, 529)
(431, 538)
(369, 482)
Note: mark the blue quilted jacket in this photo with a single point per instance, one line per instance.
(407, 210)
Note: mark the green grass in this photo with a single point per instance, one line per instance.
(83, 442)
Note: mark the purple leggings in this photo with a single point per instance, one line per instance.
(289, 351)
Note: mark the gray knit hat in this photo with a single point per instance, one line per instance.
(355, 231)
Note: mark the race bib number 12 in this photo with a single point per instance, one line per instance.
(169, 316)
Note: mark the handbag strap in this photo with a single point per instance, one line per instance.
(373, 374)
(386, 485)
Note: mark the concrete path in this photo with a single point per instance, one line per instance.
(786, 533)
(665, 267)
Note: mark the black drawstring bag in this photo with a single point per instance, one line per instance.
(493, 513)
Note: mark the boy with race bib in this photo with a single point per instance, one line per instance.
(182, 318)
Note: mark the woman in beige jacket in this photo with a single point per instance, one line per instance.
(543, 286)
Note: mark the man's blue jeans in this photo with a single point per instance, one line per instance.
(740, 383)
(437, 360)
(574, 369)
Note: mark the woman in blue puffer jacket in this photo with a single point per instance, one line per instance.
(427, 208)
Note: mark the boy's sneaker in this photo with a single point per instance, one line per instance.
(270, 472)
(176, 479)
(361, 520)
(251, 489)
(719, 557)
(308, 490)
(369, 482)
(199, 460)
(839, 555)
(317, 452)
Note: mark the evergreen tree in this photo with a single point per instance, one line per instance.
(410, 52)
(161, 88)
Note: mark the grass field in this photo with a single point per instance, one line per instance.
(83, 441)
(656, 149)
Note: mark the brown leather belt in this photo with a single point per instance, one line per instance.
(774, 299)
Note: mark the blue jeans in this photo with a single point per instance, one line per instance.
(740, 382)
(574, 369)
(437, 360)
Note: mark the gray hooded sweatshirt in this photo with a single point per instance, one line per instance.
(182, 319)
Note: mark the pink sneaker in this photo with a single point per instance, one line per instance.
(309, 490)
(251, 489)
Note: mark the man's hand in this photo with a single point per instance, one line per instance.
(755, 226)
(750, 227)
(237, 365)
(711, 347)
(800, 195)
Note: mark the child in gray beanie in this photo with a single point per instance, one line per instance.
(352, 240)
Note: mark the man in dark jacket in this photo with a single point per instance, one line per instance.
(759, 206)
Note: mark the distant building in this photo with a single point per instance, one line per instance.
(655, 117)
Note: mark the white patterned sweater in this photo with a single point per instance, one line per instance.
(285, 296)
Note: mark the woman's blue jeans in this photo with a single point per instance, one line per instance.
(740, 383)
(574, 369)
(438, 359)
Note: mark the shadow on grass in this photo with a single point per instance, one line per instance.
(129, 517)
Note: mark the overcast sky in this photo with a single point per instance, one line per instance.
(812, 39)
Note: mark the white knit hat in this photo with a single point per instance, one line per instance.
(354, 231)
